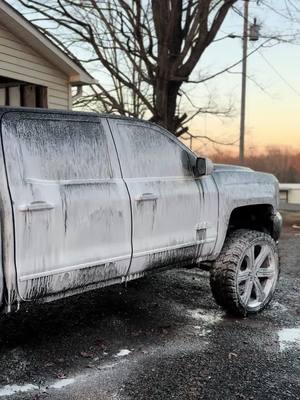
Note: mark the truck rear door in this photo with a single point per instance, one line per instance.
(70, 205)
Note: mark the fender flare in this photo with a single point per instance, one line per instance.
(276, 219)
(1, 275)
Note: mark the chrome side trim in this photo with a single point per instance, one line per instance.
(162, 178)
(175, 247)
(36, 206)
(72, 181)
(72, 268)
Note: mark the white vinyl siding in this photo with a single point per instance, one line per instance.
(21, 62)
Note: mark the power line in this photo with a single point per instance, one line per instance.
(281, 14)
(279, 74)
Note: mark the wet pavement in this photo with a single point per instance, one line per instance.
(162, 337)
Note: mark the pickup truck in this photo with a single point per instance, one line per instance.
(91, 200)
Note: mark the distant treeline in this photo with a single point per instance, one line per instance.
(284, 164)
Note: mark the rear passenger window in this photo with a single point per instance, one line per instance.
(63, 149)
(148, 152)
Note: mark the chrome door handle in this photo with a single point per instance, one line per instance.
(36, 206)
(147, 197)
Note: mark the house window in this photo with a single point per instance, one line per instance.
(33, 96)
(24, 95)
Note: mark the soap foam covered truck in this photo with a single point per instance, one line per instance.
(90, 200)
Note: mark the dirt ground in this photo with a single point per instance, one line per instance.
(162, 337)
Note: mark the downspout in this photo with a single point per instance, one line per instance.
(78, 93)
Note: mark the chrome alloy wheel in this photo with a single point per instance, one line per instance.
(257, 275)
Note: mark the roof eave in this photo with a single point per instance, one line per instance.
(24, 29)
(80, 79)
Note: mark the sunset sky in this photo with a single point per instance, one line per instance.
(273, 90)
(273, 87)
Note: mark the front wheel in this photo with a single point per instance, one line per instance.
(244, 276)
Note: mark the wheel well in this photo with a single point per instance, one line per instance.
(257, 217)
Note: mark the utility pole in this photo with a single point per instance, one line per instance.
(244, 81)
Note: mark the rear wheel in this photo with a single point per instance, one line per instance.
(244, 276)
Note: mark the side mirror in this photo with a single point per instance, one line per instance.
(204, 166)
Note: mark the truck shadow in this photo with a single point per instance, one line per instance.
(45, 340)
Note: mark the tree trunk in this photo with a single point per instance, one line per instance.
(165, 104)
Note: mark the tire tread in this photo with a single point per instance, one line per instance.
(224, 271)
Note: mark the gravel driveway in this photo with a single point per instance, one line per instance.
(162, 337)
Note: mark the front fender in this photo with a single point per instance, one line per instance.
(239, 187)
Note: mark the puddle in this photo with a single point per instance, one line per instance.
(9, 390)
(123, 353)
(289, 338)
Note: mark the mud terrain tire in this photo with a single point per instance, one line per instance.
(244, 276)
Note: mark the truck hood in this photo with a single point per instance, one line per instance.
(229, 167)
(241, 186)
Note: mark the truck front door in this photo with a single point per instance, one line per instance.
(174, 214)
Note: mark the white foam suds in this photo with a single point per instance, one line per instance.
(9, 390)
(202, 331)
(62, 383)
(278, 306)
(123, 353)
(288, 338)
(207, 317)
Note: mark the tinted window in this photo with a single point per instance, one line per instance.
(63, 149)
(148, 152)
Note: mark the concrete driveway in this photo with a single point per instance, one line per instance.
(162, 337)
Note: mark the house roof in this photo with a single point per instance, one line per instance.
(26, 31)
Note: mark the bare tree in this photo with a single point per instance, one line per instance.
(286, 168)
(142, 51)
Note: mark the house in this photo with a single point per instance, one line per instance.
(33, 71)
(290, 196)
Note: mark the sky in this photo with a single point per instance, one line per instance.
(273, 87)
